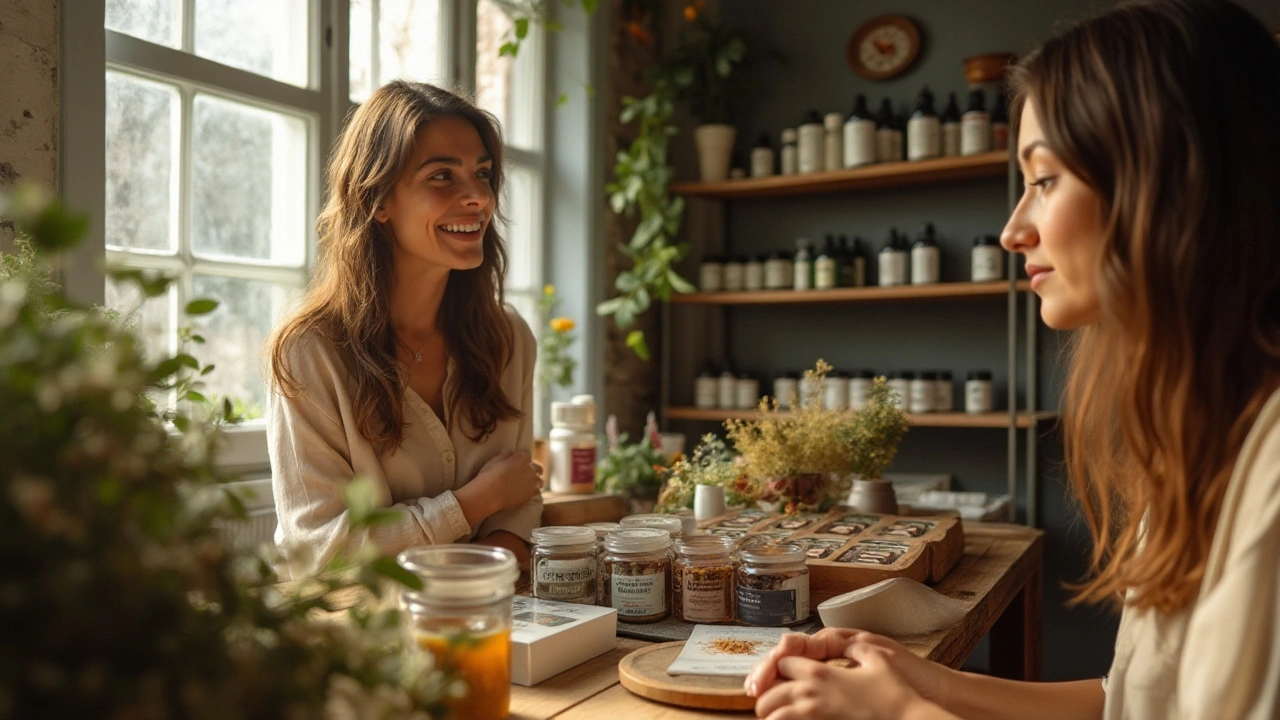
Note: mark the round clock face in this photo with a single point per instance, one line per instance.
(883, 47)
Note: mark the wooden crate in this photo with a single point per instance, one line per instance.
(849, 549)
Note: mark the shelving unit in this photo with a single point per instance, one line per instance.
(1027, 418)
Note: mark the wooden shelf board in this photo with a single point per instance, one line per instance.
(879, 175)
(951, 290)
(954, 419)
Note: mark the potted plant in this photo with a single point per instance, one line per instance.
(872, 437)
(702, 69)
(633, 470)
(711, 463)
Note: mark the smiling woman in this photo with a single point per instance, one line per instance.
(402, 363)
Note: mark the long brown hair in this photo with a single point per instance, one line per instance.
(348, 300)
(1169, 111)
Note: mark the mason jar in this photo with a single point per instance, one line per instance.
(772, 585)
(564, 565)
(637, 574)
(462, 616)
(702, 579)
(672, 524)
(602, 530)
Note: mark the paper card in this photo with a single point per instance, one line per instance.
(725, 650)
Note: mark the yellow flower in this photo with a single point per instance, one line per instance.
(548, 289)
(562, 324)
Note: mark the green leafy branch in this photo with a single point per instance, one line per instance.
(526, 13)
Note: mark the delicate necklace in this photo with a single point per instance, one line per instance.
(417, 354)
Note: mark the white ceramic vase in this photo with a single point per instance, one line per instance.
(715, 150)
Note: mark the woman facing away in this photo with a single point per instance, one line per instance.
(1149, 140)
(402, 363)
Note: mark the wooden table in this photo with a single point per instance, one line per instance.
(999, 578)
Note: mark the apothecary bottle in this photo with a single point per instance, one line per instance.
(979, 396)
(786, 390)
(987, 259)
(900, 384)
(951, 128)
(703, 579)
(726, 389)
(893, 261)
(462, 616)
(886, 129)
(802, 266)
(835, 391)
(790, 153)
(811, 143)
(748, 392)
(711, 274)
(762, 158)
(923, 390)
(778, 271)
(926, 257)
(944, 397)
(833, 141)
(859, 135)
(859, 388)
(772, 585)
(735, 269)
(924, 130)
(637, 574)
(705, 388)
(975, 125)
(826, 267)
(564, 565)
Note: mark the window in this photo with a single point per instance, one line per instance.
(217, 116)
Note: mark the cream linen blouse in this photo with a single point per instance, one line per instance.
(316, 449)
(1220, 656)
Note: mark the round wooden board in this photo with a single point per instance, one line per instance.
(644, 672)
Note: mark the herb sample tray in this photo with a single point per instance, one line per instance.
(848, 549)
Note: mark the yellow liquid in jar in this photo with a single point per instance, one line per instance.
(483, 662)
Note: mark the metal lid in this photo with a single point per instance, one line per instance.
(704, 545)
(554, 535)
(637, 539)
(603, 528)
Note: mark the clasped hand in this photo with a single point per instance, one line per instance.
(510, 478)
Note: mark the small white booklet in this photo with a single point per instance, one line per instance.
(725, 650)
(548, 637)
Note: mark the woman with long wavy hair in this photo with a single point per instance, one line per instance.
(1149, 141)
(402, 364)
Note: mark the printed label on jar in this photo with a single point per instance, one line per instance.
(784, 606)
(639, 595)
(705, 597)
(582, 464)
(565, 580)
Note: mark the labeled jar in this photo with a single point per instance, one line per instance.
(833, 141)
(790, 153)
(753, 273)
(835, 392)
(772, 585)
(777, 271)
(602, 530)
(762, 158)
(702, 579)
(711, 274)
(705, 388)
(979, 396)
(812, 140)
(923, 390)
(564, 565)
(671, 524)
(859, 388)
(786, 390)
(727, 390)
(637, 574)
(748, 392)
(571, 446)
(462, 616)
(944, 397)
(734, 274)
(987, 259)
(900, 384)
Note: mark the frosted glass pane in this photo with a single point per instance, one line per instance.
(506, 86)
(522, 206)
(267, 38)
(157, 21)
(141, 131)
(247, 311)
(152, 321)
(409, 43)
(360, 50)
(248, 183)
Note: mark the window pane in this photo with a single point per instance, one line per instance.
(247, 311)
(153, 321)
(360, 50)
(157, 21)
(522, 205)
(141, 125)
(527, 306)
(409, 41)
(506, 86)
(248, 178)
(267, 38)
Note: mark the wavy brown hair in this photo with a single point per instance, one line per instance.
(1169, 110)
(348, 300)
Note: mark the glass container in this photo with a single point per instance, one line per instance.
(637, 574)
(772, 585)
(564, 564)
(702, 579)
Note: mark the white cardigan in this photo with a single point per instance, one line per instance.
(1220, 656)
(316, 449)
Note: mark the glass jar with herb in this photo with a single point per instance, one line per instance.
(702, 579)
(637, 574)
(602, 530)
(670, 523)
(772, 585)
(564, 564)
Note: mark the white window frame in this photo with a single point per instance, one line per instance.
(89, 50)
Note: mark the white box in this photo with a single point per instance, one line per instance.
(549, 637)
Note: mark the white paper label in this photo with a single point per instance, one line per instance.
(565, 580)
(639, 595)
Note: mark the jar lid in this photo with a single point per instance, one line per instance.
(944, 374)
(789, 135)
(460, 574)
(979, 374)
(603, 528)
(928, 375)
(986, 240)
(637, 539)
(769, 554)
(702, 545)
(575, 414)
(670, 523)
(555, 535)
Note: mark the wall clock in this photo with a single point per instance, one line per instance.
(883, 47)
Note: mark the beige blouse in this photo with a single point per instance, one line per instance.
(316, 449)
(1219, 657)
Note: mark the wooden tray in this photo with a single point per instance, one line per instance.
(644, 672)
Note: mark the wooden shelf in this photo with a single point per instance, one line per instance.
(955, 290)
(880, 175)
(943, 420)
